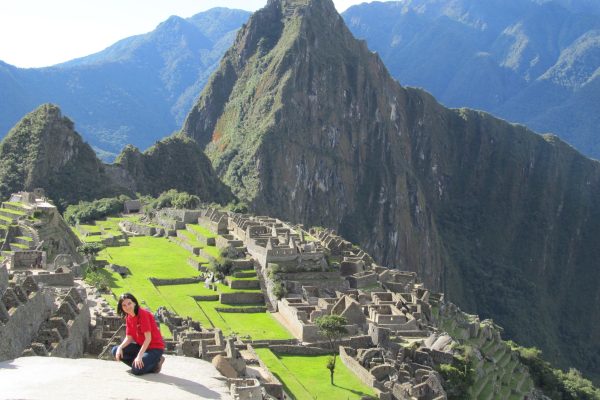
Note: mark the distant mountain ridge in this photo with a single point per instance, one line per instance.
(43, 150)
(534, 62)
(136, 91)
(305, 123)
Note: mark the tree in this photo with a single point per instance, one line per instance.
(332, 327)
(90, 249)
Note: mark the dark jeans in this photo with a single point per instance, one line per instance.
(150, 358)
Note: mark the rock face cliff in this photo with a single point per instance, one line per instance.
(44, 151)
(305, 123)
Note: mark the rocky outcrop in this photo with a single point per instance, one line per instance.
(306, 124)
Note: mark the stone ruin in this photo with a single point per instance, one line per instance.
(271, 241)
(43, 321)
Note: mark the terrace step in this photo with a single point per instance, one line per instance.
(244, 274)
(18, 247)
(243, 283)
(8, 215)
(16, 207)
(24, 240)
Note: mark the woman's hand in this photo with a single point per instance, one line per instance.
(138, 363)
(119, 353)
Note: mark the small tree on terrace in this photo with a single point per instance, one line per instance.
(332, 327)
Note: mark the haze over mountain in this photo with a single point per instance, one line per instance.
(303, 122)
(136, 91)
(534, 62)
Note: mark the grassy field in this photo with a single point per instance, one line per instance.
(307, 378)
(160, 258)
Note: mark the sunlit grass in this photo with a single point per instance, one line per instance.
(307, 378)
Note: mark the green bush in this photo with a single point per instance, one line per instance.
(458, 376)
(90, 249)
(279, 291)
(556, 384)
(174, 199)
(98, 280)
(222, 267)
(88, 211)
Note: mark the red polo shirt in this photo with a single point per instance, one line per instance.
(141, 323)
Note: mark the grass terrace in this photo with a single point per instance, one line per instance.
(202, 230)
(14, 212)
(4, 220)
(161, 258)
(307, 378)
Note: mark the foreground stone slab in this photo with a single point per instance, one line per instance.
(63, 378)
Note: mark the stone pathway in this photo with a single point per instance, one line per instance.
(51, 378)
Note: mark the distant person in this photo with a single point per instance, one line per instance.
(143, 346)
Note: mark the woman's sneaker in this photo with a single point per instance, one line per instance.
(159, 365)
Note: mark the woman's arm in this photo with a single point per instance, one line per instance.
(128, 339)
(138, 363)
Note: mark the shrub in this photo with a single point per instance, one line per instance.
(279, 291)
(90, 249)
(555, 383)
(222, 267)
(175, 199)
(87, 211)
(458, 376)
(97, 279)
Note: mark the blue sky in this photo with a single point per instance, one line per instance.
(37, 33)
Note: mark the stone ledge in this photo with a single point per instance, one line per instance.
(64, 378)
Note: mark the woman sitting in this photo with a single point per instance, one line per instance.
(143, 346)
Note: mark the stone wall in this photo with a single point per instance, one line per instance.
(186, 216)
(3, 278)
(71, 321)
(23, 322)
(365, 376)
(141, 229)
(54, 278)
(177, 281)
(299, 350)
(241, 298)
(28, 259)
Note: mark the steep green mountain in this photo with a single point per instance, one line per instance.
(303, 122)
(176, 162)
(44, 151)
(534, 62)
(134, 91)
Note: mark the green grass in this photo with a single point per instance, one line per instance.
(89, 228)
(14, 212)
(147, 257)
(15, 204)
(200, 259)
(5, 218)
(158, 257)
(202, 230)
(212, 251)
(20, 246)
(165, 332)
(307, 378)
(26, 238)
(190, 238)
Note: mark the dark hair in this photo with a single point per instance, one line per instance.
(120, 304)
